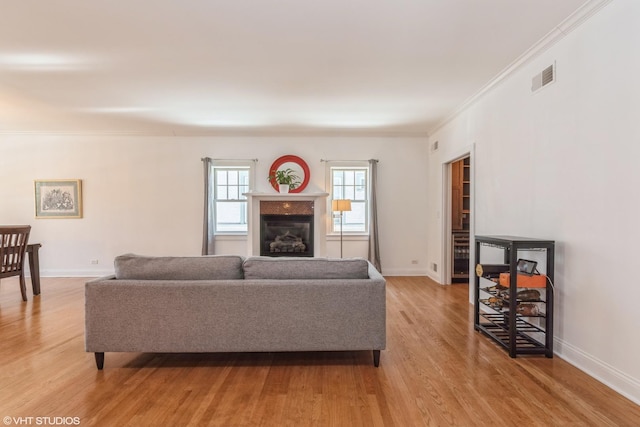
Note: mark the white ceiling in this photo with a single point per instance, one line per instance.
(205, 67)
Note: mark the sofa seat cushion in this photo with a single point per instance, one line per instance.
(292, 268)
(211, 267)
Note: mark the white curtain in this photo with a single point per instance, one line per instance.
(207, 222)
(374, 249)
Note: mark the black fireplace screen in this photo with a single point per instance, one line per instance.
(286, 235)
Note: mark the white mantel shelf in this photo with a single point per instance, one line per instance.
(319, 218)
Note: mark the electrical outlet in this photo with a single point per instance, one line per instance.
(414, 261)
(94, 261)
(434, 267)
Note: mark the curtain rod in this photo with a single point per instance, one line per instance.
(228, 160)
(358, 160)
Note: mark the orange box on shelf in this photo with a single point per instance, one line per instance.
(524, 281)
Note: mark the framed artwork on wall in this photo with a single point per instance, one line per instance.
(58, 198)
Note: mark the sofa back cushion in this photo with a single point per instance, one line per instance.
(305, 268)
(211, 267)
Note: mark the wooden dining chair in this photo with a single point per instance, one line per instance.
(13, 245)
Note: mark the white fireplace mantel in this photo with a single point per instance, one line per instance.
(319, 218)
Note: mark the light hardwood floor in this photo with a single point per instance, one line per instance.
(436, 371)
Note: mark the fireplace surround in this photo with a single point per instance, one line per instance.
(302, 215)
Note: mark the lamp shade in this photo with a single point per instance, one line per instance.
(341, 205)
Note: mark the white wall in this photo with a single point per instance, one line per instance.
(144, 194)
(562, 164)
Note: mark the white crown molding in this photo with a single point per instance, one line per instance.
(581, 15)
(239, 132)
(82, 133)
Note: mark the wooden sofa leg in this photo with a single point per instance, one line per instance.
(100, 360)
(376, 358)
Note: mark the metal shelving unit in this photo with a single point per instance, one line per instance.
(505, 322)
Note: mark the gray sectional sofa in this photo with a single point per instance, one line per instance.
(235, 304)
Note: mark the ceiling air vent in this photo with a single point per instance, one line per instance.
(546, 77)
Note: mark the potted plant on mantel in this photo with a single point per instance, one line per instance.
(286, 179)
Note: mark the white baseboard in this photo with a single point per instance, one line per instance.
(105, 272)
(627, 386)
(433, 276)
(100, 273)
(76, 273)
(403, 272)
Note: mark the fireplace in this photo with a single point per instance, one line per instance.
(286, 235)
(286, 228)
(272, 215)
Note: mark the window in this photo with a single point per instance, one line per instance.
(352, 183)
(229, 203)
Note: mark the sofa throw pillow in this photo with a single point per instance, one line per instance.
(305, 268)
(210, 267)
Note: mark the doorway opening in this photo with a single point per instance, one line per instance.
(460, 220)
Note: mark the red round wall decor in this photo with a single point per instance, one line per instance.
(302, 168)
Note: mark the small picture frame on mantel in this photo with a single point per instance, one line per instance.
(58, 198)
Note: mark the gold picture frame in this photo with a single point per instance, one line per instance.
(58, 198)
